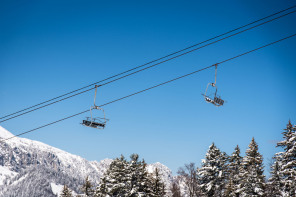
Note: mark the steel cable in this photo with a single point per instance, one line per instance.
(177, 56)
(140, 67)
(183, 76)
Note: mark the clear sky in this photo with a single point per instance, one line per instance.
(48, 48)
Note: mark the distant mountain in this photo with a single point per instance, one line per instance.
(30, 168)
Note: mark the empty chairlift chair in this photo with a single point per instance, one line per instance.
(95, 122)
(213, 98)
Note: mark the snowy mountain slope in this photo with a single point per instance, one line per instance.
(31, 152)
(39, 181)
(20, 157)
(32, 168)
(6, 173)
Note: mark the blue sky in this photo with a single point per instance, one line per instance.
(49, 48)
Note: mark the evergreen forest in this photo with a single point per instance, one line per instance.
(219, 175)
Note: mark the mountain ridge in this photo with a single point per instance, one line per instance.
(26, 163)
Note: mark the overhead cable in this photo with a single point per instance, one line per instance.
(183, 76)
(153, 65)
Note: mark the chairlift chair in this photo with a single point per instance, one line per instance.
(95, 122)
(216, 100)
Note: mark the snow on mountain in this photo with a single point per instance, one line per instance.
(20, 157)
(6, 173)
(56, 189)
(32, 168)
(4, 133)
(54, 157)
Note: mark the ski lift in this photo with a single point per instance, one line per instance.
(95, 122)
(215, 99)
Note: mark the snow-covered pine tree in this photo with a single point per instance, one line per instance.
(213, 171)
(273, 186)
(124, 178)
(251, 173)
(287, 161)
(66, 192)
(145, 180)
(233, 178)
(134, 175)
(101, 189)
(230, 188)
(158, 186)
(116, 180)
(87, 187)
(139, 181)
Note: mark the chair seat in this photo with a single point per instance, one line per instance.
(93, 124)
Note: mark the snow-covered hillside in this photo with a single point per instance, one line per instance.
(32, 168)
(20, 158)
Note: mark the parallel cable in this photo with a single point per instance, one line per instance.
(46, 105)
(144, 64)
(183, 76)
(153, 65)
(198, 48)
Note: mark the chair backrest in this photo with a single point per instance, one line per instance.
(218, 101)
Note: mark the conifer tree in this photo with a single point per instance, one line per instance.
(134, 174)
(124, 178)
(233, 178)
(273, 187)
(145, 180)
(116, 180)
(213, 172)
(287, 161)
(87, 187)
(251, 172)
(158, 186)
(139, 181)
(101, 190)
(66, 192)
(230, 188)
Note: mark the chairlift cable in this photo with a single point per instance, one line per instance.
(194, 72)
(144, 68)
(46, 105)
(198, 48)
(216, 65)
(108, 78)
